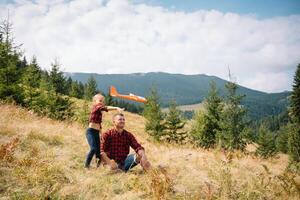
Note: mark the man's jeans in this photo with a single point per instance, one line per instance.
(129, 163)
(92, 136)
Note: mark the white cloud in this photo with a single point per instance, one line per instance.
(119, 37)
(272, 81)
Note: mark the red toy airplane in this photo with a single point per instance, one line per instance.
(114, 93)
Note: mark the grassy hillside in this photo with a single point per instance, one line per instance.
(186, 89)
(42, 158)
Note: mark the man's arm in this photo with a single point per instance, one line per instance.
(141, 158)
(134, 143)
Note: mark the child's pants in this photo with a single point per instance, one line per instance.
(93, 138)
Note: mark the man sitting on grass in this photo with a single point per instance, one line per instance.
(115, 146)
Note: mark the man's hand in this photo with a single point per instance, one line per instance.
(113, 164)
(145, 163)
(109, 162)
(143, 160)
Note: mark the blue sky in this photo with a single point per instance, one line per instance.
(261, 8)
(128, 36)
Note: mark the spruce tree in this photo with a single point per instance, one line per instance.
(68, 86)
(295, 97)
(90, 88)
(206, 127)
(75, 90)
(9, 58)
(31, 81)
(232, 122)
(174, 125)
(58, 106)
(294, 134)
(154, 116)
(266, 142)
(82, 114)
(49, 103)
(57, 78)
(81, 90)
(198, 128)
(282, 138)
(41, 103)
(22, 64)
(294, 143)
(62, 108)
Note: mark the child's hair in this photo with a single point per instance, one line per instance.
(97, 96)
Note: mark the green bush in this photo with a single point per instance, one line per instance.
(266, 142)
(294, 143)
(154, 116)
(232, 120)
(174, 125)
(205, 128)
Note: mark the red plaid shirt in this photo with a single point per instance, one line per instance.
(96, 113)
(116, 145)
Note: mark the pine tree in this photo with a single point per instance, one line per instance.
(41, 102)
(295, 97)
(31, 80)
(233, 122)
(49, 103)
(32, 74)
(174, 125)
(282, 138)
(154, 116)
(294, 134)
(90, 88)
(61, 109)
(198, 128)
(57, 78)
(82, 114)
(294, 143)
(68, 86)
(75, 90)
(22, 64)
(81, 90)
(204, 131)
(266, 142)
(9, 58)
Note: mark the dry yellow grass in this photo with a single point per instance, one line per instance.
(47, 158)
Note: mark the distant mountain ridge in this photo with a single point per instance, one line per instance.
(186, 89)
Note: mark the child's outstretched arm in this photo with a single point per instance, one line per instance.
(110, 108)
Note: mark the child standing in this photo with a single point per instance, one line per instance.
(94, 129)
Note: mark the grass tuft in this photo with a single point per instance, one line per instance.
(53, 140)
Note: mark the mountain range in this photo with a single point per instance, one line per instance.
(186, 89)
